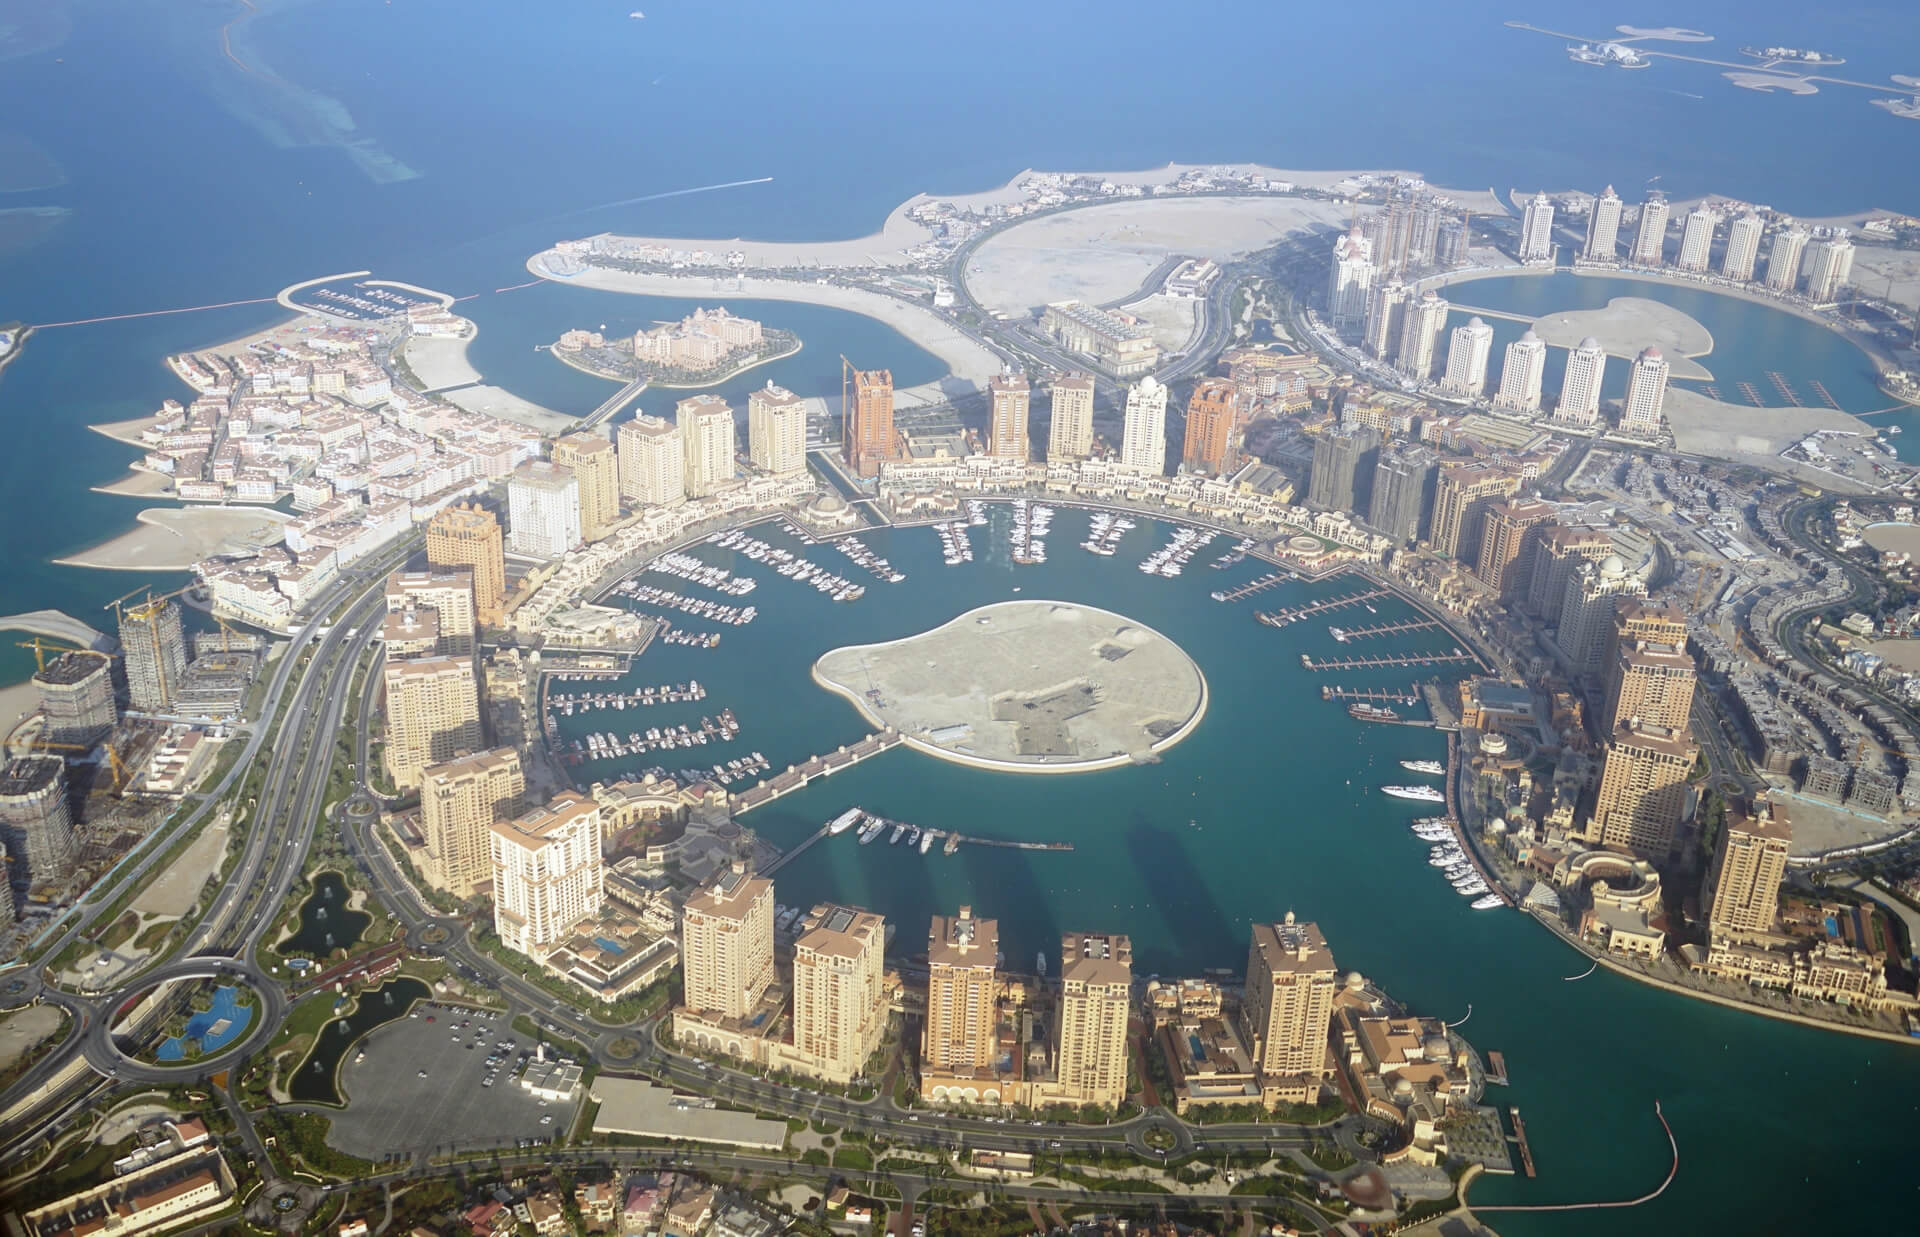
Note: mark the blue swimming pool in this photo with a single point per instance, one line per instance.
(216, 1027)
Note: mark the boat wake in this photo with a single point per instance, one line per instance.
(1582, 975)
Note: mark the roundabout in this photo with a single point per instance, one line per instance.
(220, 1005)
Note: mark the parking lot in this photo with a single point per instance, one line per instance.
(421, 1083)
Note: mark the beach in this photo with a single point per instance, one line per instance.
(175, 538)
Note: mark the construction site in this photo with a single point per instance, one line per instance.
(119, 732)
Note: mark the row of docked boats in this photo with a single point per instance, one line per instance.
(865, 558)
(1238, 554)
(699, 607)
(1104, 531)
(1031, 524)
(1453, 862)
(639, 698)
(684, 566)
(787, 563)
(601, 745)
(667, 633)
(956, 546)
(872, 826)
(1170, 559)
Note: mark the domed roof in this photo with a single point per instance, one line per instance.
(1437, 1046)
(1356, 981)
(1650, 353)
(1529, 337)
(1590, 344)
(1402, 1086)
(1613, 565)
(1475, 321)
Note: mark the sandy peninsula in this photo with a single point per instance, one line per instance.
(174, 538)
(968, 361)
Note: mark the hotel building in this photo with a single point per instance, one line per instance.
(433, 714)
(1288, 1008)
(591, 460)
(653, 470)
(461, 800)
(468, 536)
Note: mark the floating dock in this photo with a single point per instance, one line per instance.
(1826, 397)
(1392, 659)
(1384, 629)
(1281, 618)
(1781, 385)
(1251, 587)
(1520, 1137)
(1496, 1068)
(1372, 695)
(1753, 396)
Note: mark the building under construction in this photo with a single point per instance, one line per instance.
(154, 648)
(76, 697)
(35, 821)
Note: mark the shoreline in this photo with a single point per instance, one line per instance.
(175, 538)
(1882, 360)
(652, 383)
(967, 361)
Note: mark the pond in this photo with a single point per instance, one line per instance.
(221, 1025)
(314, 1082)
(325, 922)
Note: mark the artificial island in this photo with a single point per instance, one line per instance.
(447, 848)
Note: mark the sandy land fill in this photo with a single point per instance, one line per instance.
(23, 1029)
(1103, 254)
(502, 403)
(16, 702)
(1741, 434)
(899, 233)
(174, 892)
(174, 539)
(1629, 323)
(139, 483)
(127, 431)
(439, 362)
(967, 360)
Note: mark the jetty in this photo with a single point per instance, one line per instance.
(1497, 1068)
(1281, 618)
(1527, 1159)
(794, 777)
(1520, 1137)
(954, 841)
(1786, 390)
(1251, 587)
(1391, 659)
(1372, 695)
(1346, 634)
(1826, 397)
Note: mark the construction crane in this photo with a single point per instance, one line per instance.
(146, 613)
(40, 647)
(120, 772)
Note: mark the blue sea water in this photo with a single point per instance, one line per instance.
(205, 160)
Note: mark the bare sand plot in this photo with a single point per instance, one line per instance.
(1703, 426)
(174, 538)
(25, 1029)
(1026, 686)
(1104, 253)
(502, 403)
(173, 893)
(1630, 323)
(439, 362)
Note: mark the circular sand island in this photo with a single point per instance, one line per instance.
(1027, 687)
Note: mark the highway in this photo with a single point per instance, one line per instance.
(272, 857)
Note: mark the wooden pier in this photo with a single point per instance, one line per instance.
(1281, 618)
(1392, 659)
(1346, 634)
(1520, 1137)
(793, 777)
(1372, 695)
(1251, 587)
(1496, 1068)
